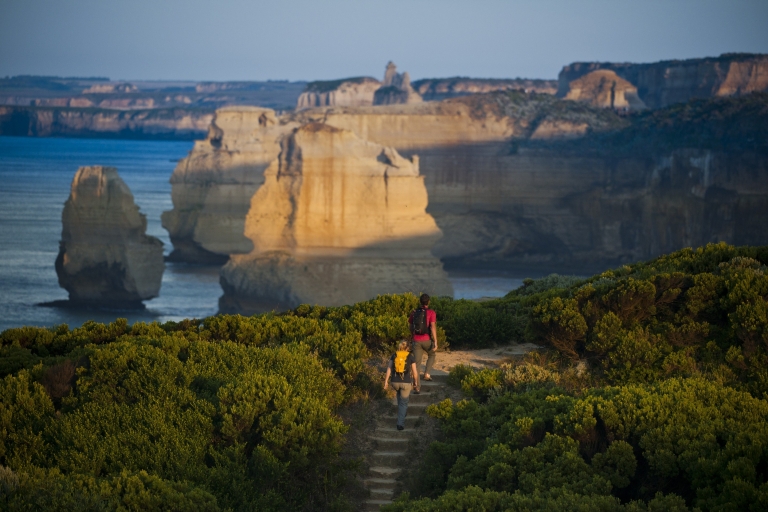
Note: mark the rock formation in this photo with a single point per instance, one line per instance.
(604, 88)
(437, 89)
(338, 220)
(662, 83)
(396, 88)
(170, 124)
(349, 92)
(212, 187)
(105, 257)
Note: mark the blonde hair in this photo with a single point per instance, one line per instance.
(403, 345)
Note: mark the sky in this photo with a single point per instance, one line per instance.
(328, 39)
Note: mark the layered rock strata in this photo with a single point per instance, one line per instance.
(503, 201)
(604, 88)
(170, 124)
(349, 92)
(663, 83)
(212, 188)
(338, 220)
(437, 89)
(105, 257)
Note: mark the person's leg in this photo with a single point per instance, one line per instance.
(422, 347)
(403, 396)
(418, 354)
(430, 360)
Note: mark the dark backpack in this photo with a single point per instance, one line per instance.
(420, 321)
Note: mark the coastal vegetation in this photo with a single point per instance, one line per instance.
(650, 393)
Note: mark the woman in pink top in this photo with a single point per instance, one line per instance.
(423, 323)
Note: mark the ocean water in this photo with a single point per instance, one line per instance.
(35, 178)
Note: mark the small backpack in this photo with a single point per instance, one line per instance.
(420, 321)
(400, 357)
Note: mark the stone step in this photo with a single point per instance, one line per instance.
(382, 493)
(392, 459)
(387, 430)
(392, 418)
(373, 504)
(387, 472)
(380, 483)
(391, 444)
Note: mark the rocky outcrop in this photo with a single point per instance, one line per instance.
(212, 187)
(170, 124)
(604, 88)
(105, 257)
(663, 83)
(437, 89)
(396, 88)
(338, 220)
(110, 88)
(507, 191)
(349, 92)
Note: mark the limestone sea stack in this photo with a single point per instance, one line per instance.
(212, 187)
(338, 220)
(105, 257)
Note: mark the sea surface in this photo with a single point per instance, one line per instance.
(35, 178)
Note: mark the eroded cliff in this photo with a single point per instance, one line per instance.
(212, 188)
(105, 257)
(337, 220)
(348, 92)
(660, 84)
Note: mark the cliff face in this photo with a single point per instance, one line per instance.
(105, 257)
(507, 191)
(178, 124)
(437, 89)
(663, 83)
(338, 220)
(549, 211)
(604, 88)
(351, 92)
(212, 188)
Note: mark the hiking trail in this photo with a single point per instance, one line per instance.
(389, 457)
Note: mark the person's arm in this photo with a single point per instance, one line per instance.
(433, 332)
(386, 377)
(415, 373)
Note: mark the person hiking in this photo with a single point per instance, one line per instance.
(423, 322)
(402, 370)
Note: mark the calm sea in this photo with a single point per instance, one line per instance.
(35, 177)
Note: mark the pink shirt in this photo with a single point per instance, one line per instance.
(431, 319)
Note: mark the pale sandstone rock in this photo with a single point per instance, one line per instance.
(338, 220)
(396, 88)
(604, 88)
(105, 257)
(212, 187)
(352, 92)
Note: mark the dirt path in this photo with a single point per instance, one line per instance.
(388, 459)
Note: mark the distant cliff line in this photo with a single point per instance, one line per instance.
(150, 124)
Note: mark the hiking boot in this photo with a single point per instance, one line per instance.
(400, 427)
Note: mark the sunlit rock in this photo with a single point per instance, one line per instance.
(105, 257)
(337, 220)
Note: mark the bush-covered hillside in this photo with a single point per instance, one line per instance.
(227, 413)
(653, 395)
